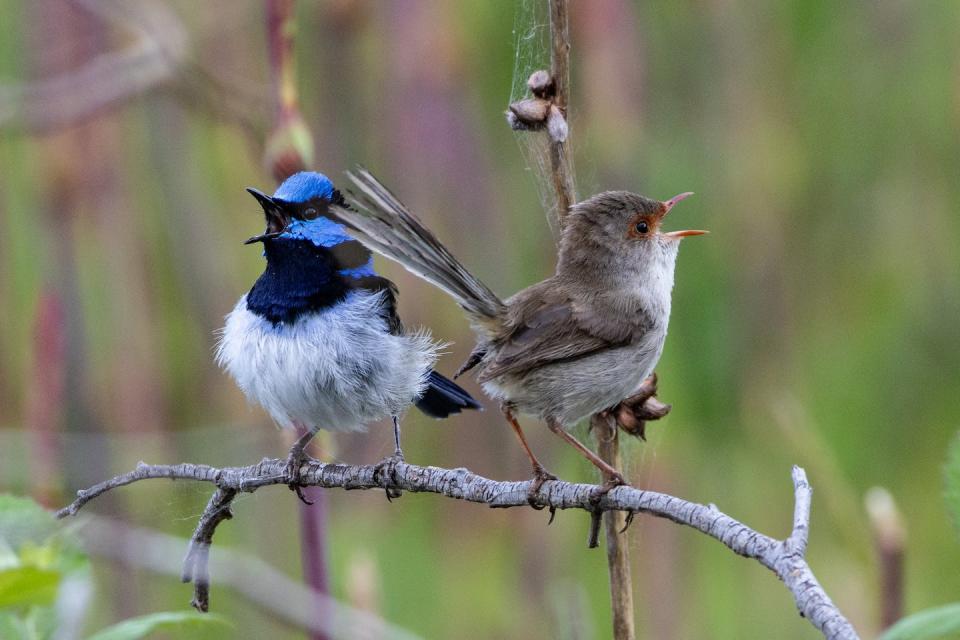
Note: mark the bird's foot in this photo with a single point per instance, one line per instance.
(633, 413)
(385, 474)
(611, 482)
(540, 475)
(295, 460)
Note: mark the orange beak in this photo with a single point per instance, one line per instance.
(669, 204)
(685, 233)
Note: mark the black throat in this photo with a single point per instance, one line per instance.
(300, 277)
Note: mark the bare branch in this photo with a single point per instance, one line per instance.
(785, 558)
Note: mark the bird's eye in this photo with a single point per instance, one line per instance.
(310, 213)
(642, 227)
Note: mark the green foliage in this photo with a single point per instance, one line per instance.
(36, 559)
(38, 563)
(141, 626)
(22, 520)
(951, 473)
(938, 622)
(28, 585)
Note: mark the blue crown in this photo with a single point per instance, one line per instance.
(304, 186)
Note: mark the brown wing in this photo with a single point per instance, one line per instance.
(553, 331)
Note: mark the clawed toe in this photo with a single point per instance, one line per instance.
(293, 475)
(540, 475)
(385, 474)
(612, 482)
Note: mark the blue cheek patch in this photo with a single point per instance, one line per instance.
(322, 232)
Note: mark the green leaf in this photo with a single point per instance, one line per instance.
(28, 585)
(951, 475)
(165, 621)
(938, 622)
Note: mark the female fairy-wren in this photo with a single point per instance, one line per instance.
(572, 345)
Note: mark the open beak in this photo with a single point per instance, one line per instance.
(685, 233)
(273, 210)
(669, 204)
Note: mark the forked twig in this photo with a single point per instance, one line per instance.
(786, 558)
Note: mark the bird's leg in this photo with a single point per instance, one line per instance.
(387, 468)
(397, 452)
(296, 458)
(611, 476)
(540, 475)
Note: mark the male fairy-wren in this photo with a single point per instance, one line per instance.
(317, 341)
(572, 345)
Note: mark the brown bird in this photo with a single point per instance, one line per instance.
(565, 348)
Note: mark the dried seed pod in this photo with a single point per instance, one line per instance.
(541, 84)
(557, 124)
(652, 409)
(628, 421)
(532, 111)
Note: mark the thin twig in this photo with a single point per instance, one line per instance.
(784, 557)
(197, 560)
(560, 161)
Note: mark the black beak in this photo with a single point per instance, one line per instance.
(273, 210)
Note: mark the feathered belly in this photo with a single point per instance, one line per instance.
(571, 391)
(336, 369)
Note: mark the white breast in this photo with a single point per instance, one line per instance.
(338, 368)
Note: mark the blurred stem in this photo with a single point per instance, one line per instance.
(313, 555)
(618, 557)
(290, 149)
(45, 404)
(289, 146)
(281, 29)
(889, 535)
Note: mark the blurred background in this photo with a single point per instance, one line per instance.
(817, 324)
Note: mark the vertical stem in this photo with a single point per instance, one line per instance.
(889, 533)
(618, 555)
(45, 404)
(313, 555)
(560, 161)
(281, 28)
(290, 149)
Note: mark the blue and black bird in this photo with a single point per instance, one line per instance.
(317, 341)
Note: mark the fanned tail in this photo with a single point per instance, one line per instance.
(444, 397)
(379, 220)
